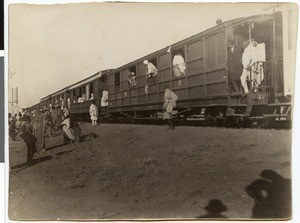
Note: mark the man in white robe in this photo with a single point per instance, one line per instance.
(253, 56)
(246, 61)
(151, 69)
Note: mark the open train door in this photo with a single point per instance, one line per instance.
(289, 24)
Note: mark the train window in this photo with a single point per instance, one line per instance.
(195, 51)
(91, 91)
(83, 90)
(164, 61)
(103, 78)
(117, 81)
(91, 88)
(151, 70)
(215, 50)
(132, 79)
(110, 80)
(178, 63)
(153, 61)
(74, 99)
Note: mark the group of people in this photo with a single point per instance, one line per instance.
(34, 125)
(14, 123)
(57, 119)
(93, 110)
(82, 99)
(20, 125)
(57, 103)
(245, 64)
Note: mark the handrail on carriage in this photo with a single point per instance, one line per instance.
(259, 72)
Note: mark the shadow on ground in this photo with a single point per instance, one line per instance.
(87, 137)
(214, 208)
(23, 166)
(272, 196)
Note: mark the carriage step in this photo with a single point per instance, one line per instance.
(235, 115)
(275, 115)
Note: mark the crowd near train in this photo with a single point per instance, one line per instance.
(238, 70)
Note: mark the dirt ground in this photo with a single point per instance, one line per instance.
(139, 171)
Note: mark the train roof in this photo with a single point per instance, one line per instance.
(89, 79)
(254, 18)
(77, 84)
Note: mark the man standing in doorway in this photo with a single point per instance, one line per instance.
(234, 68)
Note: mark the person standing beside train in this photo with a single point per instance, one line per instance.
(234, 68)
(94, 113)
(170, 99)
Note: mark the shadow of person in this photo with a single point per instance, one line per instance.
(88, 137)
(55, 146)
(214, 208)
(23, 166)
(272, 196)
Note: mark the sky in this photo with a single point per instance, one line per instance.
(53, 46)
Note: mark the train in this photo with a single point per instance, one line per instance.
(203, 87)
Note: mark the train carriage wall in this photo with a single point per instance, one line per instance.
(204, 83)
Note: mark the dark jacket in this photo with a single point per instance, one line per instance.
(234, 63)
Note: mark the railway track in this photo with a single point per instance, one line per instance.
(234, 123)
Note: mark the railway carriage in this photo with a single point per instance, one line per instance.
(202, 84)
(68, 96)
(203, 89)
(93, 85)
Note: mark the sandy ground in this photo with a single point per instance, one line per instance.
(139, 171)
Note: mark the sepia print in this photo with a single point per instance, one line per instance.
(131, 111)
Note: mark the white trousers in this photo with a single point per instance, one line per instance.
(243, 78)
